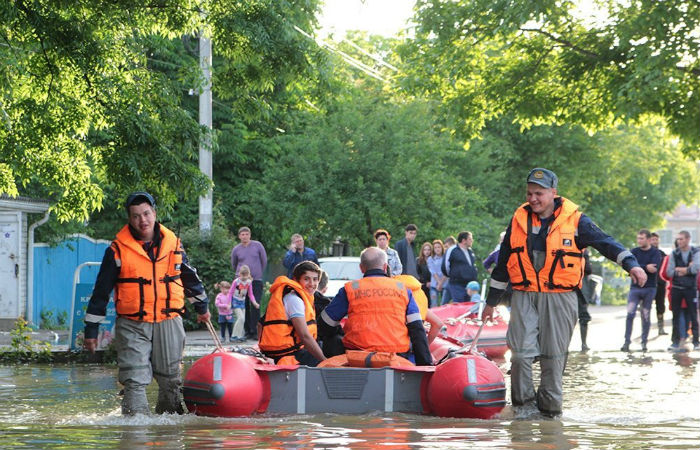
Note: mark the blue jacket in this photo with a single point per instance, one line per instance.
(291, 259)
(456, 266)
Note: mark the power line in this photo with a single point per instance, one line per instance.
(347, 58)
(373, 56)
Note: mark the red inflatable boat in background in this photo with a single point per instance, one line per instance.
(462, 326)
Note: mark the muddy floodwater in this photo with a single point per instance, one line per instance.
(613, 400)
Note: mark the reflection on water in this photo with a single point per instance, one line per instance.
(612, 401)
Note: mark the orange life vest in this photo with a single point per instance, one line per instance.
(419, 296)
(146, 290)
(278, 338)
(564, 263)
(361, 358)
(376, 315)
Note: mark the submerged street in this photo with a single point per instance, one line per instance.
(613, 400)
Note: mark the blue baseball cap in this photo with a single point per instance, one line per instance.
(136, 198)
(473, 285)
(544, 177)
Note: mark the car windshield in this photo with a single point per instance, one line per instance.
(342, 270)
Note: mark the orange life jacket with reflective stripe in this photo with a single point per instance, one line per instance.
(376, 315)
(419, 296)
(564, 263)
(149, 291)
(278, 338)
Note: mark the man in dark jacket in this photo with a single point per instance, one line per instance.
(660, 297)
(683, 268)
(297, 253)
(459, 264)
(407, 251)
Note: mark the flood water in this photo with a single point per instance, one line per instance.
(612, 401)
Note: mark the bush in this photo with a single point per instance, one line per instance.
(49, 322)
(616, 285)
(211, 256)
(23, 347)
(614, 295)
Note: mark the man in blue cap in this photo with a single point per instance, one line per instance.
(148, 270)
(542, 257)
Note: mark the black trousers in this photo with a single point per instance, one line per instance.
(660, 297)
(252, 314)
(677, 296)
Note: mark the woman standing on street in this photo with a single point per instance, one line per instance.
(424, 276)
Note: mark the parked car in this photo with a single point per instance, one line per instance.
(340, 270)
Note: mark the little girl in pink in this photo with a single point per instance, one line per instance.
(223, 304)
(242, 287)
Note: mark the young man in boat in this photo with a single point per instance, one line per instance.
(288, 332)
(382, 314)
(542, 257)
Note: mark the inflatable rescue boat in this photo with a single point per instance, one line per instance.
(230, 384)
(243, 383)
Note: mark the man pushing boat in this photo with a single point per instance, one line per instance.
(542, 257)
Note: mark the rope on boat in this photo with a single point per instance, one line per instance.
(470, 348)
(214, 336)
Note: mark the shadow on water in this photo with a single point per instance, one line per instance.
(612, 401)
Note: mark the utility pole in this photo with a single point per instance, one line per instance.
(205, 157)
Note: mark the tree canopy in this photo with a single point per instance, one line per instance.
(88, 107)
(545, 61)
(336, 140)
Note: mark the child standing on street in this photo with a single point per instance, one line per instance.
(223, 304)
(474, 296)
(242, 287)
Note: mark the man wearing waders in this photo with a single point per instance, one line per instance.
(542, 257)
(149, 272)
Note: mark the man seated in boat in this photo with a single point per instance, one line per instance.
(288, 331)
(382, 314)
(421, 300)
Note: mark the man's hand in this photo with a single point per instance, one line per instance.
(202, 318)
(639, 277)
(651, 268)
(90, 345)
(487, 313)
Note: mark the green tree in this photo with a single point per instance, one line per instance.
(92, 93)
(367, 164)
(624, 178)
(541, 61)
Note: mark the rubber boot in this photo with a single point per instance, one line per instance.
(660, 318)
(584, 333)
(134, 400)
(169, 398)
